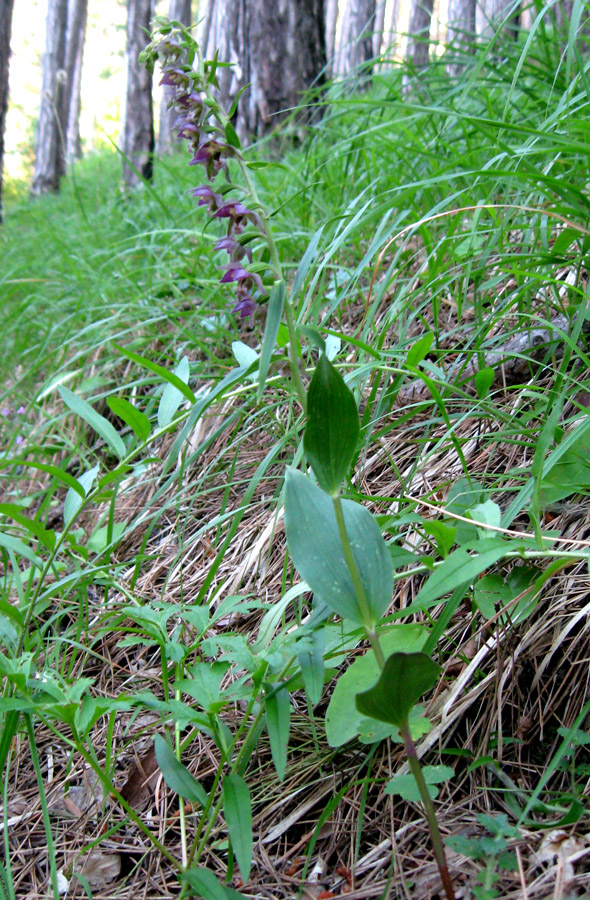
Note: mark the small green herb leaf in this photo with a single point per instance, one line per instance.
(176, 775)
(97, 422)
(405, 677)
(332, 430)
(278, 723)
(237, 806)
(137, 420)
(405, 785)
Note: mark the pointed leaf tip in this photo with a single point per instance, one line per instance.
(405, 677)
(332, 429)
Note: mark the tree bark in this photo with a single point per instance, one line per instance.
(5, 28)
(70, 107)
(461, 31)
(491, 13)
(419, 40)
(179, 11)
(48, 146)
(138, 118)
(331, 19)
(356, 36)
(279, 50)
(379, 27)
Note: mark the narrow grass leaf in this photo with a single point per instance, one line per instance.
(35, 529)
(61, 476)
(237, 807)
(97, 422)
(276, 303)
(20, 548)
(177, 776)
(172, 397)
(137, 420)
(278, 724)
(461, 567)
(162, 372)
(403, 680)
(332, 430)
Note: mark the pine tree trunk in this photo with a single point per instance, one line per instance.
(331, 19)
(491, 13)
(419, 40)
(179, 11)
(461, 31)
(356, 38)
(138, 118)
(70, 107)
(379, 27)
(5, 28)
(48, 148)
(279, 47)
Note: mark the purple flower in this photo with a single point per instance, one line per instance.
(186, 101)
(211, 154)
(20, 440)
(21, 411)
(5, 411)
(175, 77)
(236, 272)
(245, 306)
(232, 211)
(207, 197)
(234, 250)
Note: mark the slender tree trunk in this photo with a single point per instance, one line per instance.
(356, 38)
(279, 49)
(5, 28)
(379, 27)
(48, 147)
(138, 119)
(491, 13)
(419, 40)
(179, 11)
(330, 18)
(71, 100)
(461, 31)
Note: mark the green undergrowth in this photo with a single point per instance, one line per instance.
(433, 234)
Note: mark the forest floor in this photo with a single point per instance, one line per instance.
(146, 584)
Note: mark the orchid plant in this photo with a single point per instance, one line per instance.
(253, 263)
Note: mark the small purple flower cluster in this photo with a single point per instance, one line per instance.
(7, 412)
(200, 122)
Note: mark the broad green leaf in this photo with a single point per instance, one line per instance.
(461, 567)
(405, 677)
(59, 475)
(463, 496)
(274, 315)
(97, 422)
(278, 724)
(74, 498)
(332, 429)
(237, 807)
(316, 549)
(571, 475)
(484, 379)
(488, 513)
(420, 350)
(371, 731)
(204, 685)
(176, 776)
(172, 397)
(137, 420)
(231, 136)
(405, 785)
(343, 720)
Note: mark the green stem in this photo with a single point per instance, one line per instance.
(45, 808)
(359, 589)
(435, 835)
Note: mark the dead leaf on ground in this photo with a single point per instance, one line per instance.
(141, 780)
(79, 798)
(98, 867)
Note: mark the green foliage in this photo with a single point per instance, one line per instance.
(404, 678)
